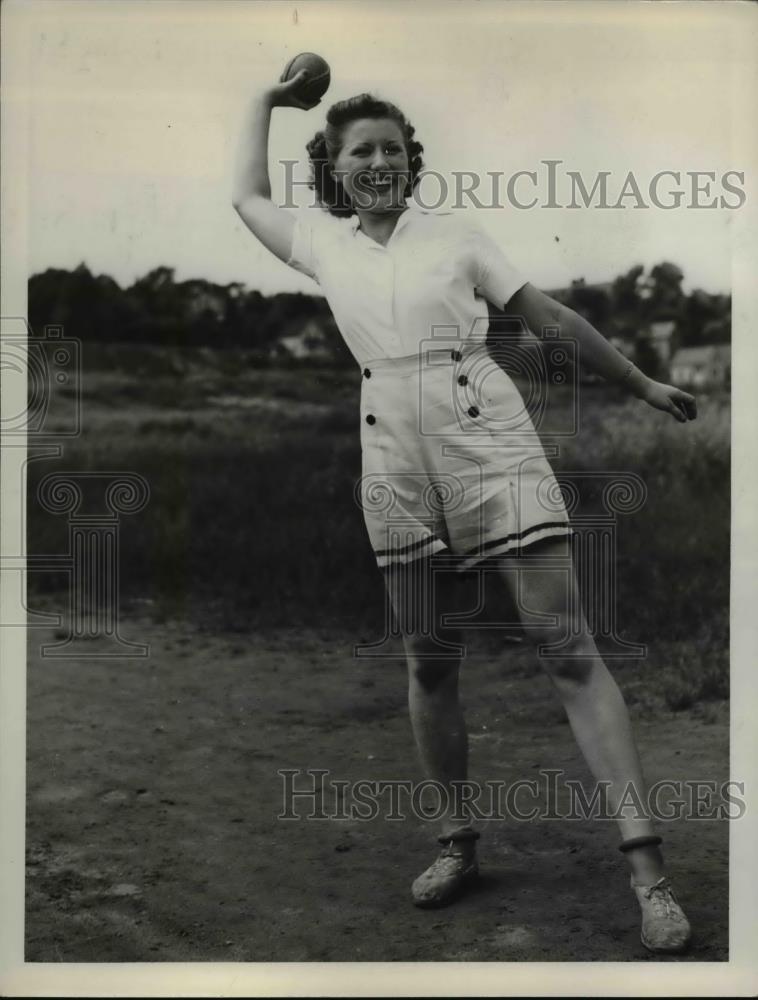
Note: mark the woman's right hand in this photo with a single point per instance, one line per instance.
(284, 94)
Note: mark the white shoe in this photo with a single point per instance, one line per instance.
(665, 928)
(453, 871)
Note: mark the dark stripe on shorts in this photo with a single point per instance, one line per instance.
(407, 548)
(517, 536)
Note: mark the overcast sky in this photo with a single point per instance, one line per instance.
(135, 111)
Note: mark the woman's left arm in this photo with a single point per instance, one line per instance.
(540, 310)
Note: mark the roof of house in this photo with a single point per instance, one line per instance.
(703, 354)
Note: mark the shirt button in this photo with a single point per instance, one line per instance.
(367, 372)
(462, 380)
(473, 412)
(456, 356)
(371, 419)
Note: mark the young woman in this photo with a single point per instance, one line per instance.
(452, 464)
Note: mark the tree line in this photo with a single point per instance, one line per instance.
(159, 310)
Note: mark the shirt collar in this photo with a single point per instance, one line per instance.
(401, 222)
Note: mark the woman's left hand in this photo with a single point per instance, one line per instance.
(678, 403)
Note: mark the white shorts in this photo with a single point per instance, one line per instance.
(451, 460)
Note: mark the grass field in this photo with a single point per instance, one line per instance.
(252, 524)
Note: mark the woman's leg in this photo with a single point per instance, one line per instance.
(600, 722)
(594, 704)
(419, 598)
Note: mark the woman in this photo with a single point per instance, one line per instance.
(449, 468)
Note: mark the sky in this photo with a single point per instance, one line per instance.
(134, 111)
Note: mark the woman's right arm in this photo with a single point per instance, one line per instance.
(251, 190)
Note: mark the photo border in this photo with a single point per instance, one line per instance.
(738, 976)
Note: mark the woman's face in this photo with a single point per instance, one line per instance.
(373, 165)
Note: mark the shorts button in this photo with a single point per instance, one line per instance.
(473, 412)
(456, 356)
(367, 372)
(462, 380)
(371, 419)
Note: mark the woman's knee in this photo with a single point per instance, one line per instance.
(566, 658)
(430, 665)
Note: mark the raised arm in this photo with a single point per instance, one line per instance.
(540, 310)
(251, 188)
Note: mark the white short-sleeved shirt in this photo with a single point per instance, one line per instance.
(436, 271)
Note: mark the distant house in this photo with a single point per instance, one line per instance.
(309, 342)
(708, 365)
(660, 333)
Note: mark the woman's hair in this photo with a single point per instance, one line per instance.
(325, 146)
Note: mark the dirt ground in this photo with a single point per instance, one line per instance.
(153, 796)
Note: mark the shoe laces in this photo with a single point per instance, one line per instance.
(451, 859)
(661, 895)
